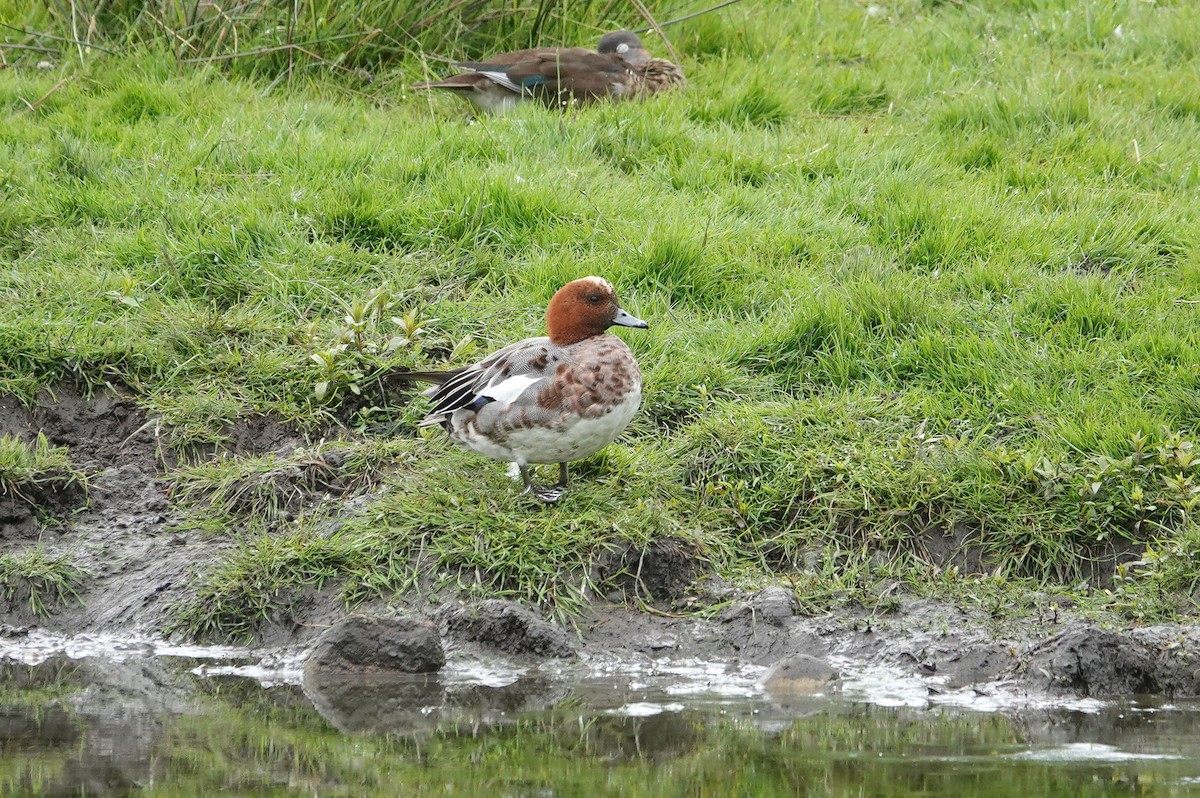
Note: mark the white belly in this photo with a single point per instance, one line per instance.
(493, 99)
(543, 445)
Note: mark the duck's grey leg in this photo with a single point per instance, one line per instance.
(545, 494)
(563, 479)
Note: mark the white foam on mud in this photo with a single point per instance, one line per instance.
(644, 709)
(888, 686)
(269, 667)
(1086, 752)
(495, 674)
(682, 677)
(654, 679)
(268, 672)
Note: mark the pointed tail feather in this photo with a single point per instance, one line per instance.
(437, 84)
(436, 377)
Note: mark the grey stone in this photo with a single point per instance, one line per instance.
(368, 643)
(507, 627)
(802, 674)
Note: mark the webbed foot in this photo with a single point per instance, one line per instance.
(546, 494)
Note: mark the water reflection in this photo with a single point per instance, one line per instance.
(151, 726)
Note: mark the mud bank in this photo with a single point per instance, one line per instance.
(141, 560)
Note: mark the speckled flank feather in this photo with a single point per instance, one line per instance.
(658, 74)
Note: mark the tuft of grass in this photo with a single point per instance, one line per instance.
(838, 470)
(433, 532)
(264, 575)
(755, 105)
(41, 580)
(272, 488)
(848, 94)
(34, 467)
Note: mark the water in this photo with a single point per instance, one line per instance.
(109, 716)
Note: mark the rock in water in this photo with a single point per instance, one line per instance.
(509, 628)
(364, 644)
(801, 674)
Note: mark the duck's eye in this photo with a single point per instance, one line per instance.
(594, 299)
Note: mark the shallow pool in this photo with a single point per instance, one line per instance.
(120, 716)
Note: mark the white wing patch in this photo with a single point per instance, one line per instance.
(507, 390)
(504, 80)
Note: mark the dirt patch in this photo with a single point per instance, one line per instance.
(139, 556)
(663, 571)
(1087, 660)
(101, 429)
(275, 493)
(252, 436)
(113, 443)
(24, 508)
(956, 546)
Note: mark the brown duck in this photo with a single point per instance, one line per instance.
(619, 68)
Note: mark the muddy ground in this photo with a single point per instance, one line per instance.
(141, 561)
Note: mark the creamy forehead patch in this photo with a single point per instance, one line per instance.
(600, 283)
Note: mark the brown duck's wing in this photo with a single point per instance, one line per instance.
(526, 58)
(514, 57)
(570, 74)
(529, 361)
(472, 79)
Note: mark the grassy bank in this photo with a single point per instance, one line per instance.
(913, 270)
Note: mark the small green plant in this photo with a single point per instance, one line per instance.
(41, 579)
(362, 344)
(1163, 582)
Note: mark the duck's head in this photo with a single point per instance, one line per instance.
(583, 308)
(625, 45)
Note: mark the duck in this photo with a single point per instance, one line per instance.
(619, 68)
(552, 399)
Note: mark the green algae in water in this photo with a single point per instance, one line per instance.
(89, 727)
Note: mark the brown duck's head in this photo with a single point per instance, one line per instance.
(583, 308)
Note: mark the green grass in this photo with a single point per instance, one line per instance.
(909, 269)
(41, 579)
(33, 468)
(307, 37)
(273, 488)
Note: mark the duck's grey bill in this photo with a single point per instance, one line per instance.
(626, 320)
